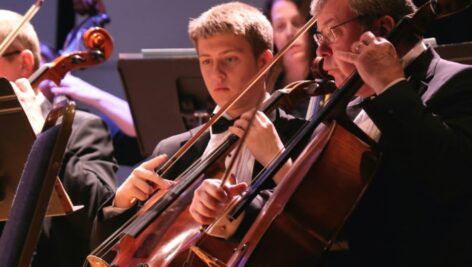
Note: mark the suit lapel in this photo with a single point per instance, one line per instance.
(420, 72)
(197, 149)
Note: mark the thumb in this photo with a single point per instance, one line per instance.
(234, 190)
(153, 163)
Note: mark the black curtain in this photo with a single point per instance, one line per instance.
(453, 29)
(65, 21)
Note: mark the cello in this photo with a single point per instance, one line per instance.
(154, 211)
(325, 115)
(150, 238)
(298, 223)
(27, 216)
(308, 209)
(99, 45)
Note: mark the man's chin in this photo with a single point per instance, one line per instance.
(365, 91)
(339, 80)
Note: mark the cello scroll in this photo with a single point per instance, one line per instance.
(100, 45)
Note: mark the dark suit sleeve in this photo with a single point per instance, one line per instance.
(432, 140)
(87, 174)
(88, 171)
(109, 218)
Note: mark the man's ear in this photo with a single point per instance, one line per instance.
(384, 25)
(264, 58)
(27, 63)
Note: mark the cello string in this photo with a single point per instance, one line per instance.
(206, 229)
(257, 77)
(354, 81)
(240, 143)
(116, 236)
(146, 216)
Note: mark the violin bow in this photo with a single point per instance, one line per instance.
(26, 18)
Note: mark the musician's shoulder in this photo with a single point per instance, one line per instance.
(171, 144)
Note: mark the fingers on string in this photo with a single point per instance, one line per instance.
(235, 190)
(142, 189)
(237, 128)
(147, 171)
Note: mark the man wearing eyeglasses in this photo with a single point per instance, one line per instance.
(88, 167)
(418, 209)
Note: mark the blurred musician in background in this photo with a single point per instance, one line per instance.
(88, 166)
(113, 110)
(287, 17)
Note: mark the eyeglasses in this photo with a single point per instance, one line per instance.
(330, 36)
(12, 53)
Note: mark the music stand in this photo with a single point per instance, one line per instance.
(161, 85)
(16, 140)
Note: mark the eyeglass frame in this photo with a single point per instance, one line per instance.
(11, 53)
(321, 37)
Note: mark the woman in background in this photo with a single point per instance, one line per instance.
(287, 17)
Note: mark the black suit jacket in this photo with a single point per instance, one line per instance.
(418, 209)
(87, 174)
(109, 220)
(286, 126)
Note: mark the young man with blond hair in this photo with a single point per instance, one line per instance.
(233, 42)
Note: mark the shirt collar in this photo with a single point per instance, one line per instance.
(413, 54)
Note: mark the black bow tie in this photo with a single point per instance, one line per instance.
(221, 125)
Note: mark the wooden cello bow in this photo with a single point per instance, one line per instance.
(26, 18)
(160, 201)
(158, 225)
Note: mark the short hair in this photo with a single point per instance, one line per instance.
(397, 9)
(26, 38)
(237, 18)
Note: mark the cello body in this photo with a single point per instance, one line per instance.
(168, 234)
(309, 207)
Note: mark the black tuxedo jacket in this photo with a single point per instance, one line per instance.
(108, 220)
(418, 209)
(286, 126)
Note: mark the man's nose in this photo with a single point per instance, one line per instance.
(219, 70)
(323, 49)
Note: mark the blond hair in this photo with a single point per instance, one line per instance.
(237, 18)
(26, 38)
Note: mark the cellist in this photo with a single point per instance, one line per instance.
(88, 168)
(418, 209)
(233, 41)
